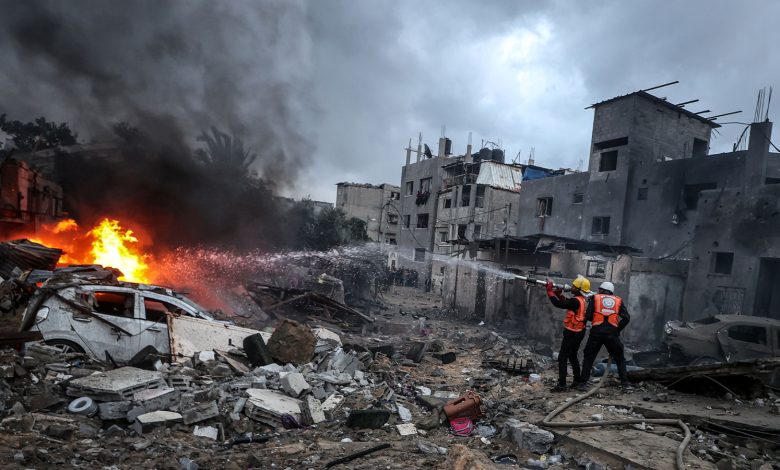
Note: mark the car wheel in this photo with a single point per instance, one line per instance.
(66, 346)
(700, 361)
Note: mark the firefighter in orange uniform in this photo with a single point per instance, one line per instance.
(573, 327)
(608, 316)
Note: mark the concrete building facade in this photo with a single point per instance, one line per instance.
(371, 203)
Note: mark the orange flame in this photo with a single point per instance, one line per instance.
(107, 244)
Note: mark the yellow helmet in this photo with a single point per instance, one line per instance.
(581, 283)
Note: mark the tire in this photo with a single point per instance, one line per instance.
(66, 346)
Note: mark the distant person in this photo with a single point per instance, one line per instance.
(608, 316)
(573, 327)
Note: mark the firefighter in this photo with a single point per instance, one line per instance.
(573, 327)
(608, 316)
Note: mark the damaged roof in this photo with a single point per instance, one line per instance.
(500, 176)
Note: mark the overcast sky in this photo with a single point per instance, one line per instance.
(359, 78)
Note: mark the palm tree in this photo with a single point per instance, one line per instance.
(225, 154)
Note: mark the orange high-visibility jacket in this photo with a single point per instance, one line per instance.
(606, 307)
(575, 321)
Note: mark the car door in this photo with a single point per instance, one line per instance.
(154, 321)
(113, 326)
(745, 341)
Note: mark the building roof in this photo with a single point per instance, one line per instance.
(500, 176)
(659, 101)
(368, 185)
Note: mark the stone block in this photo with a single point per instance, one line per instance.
(206, 431)
(200, 412)
(311, 411)
(294, 384)
(528, 436)
(292, 343)
(147, 401)
(146, 422)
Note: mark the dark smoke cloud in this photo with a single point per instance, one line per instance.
(239, 65)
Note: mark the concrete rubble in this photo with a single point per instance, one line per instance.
(347, 397)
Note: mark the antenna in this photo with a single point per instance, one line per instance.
(443, 130)
(712, 118)
(768, 102)
(469, 142)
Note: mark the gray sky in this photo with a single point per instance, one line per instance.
(521, 72)
(331, 90)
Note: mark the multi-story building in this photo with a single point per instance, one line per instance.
(652, 199)
(372, 204)
(28, 199)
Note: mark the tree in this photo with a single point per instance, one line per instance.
(37, 135)
(225, 155)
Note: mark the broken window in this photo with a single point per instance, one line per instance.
(419, 254)
(390, 241)
(722, 262)
(641, 194)
(462, 231)
(544, 207)
(392, 218)
(422, 220)
(596, 268)
(577, 198)
(606, 144)
(600, 226)
(691, 194)
(465, 196)
(699, 147)
(477, 231)
(410, 188)
(407, 220)
(479, 200)
(748, 333)
(425, 185)
(156, 310)
(395, 195)
(444, 237)
(118, 304)
(608, 161)
(770, 180)
(447, 203)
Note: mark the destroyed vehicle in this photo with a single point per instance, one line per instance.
(121, 322)
(722, 338)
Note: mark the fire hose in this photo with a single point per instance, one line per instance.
(540, 282)
(547, 421)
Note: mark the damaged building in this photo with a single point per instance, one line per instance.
(680, 232)
(373, 204)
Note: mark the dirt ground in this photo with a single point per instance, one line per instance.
(53, 438)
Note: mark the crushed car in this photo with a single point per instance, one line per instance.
(722, 338)
(119, 322)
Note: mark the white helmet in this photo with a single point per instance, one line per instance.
(607, 286)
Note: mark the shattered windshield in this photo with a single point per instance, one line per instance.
(201, 311)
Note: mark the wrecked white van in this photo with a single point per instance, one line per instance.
(115, 322)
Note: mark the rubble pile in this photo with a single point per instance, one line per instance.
(436, 394)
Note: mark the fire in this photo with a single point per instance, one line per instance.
(108, 244)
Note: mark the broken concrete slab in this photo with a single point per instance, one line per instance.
(326, 340)
(268, 406)
(311, 410)
(528, 436)
(115, 385)
(149, 421)
(331, 404)
(406, 429)
(294, 384)
(292, 343)
(200, 412)
(150, 400)
(206, 431)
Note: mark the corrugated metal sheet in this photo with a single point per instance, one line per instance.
(501, 176)
(24, 254)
